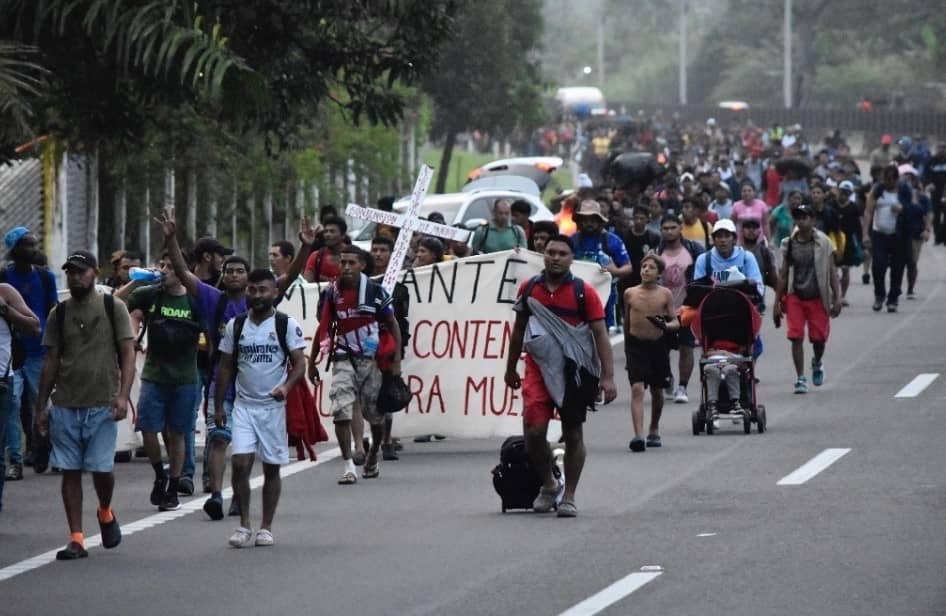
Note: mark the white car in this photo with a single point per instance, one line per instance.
(471, 207)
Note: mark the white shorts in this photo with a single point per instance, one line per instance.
(260, 430)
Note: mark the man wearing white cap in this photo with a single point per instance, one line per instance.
(919, 223)
(724, 255)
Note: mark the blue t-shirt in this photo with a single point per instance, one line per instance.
(590, 247)
(33, 290)
(713, 264)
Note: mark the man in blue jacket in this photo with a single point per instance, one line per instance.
(725, 255)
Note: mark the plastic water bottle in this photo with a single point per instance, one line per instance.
(603, 259)
(145, 274)
(370, 345)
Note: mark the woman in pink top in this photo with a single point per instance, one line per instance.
(750, 207)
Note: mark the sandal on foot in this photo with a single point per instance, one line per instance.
(371, 471)
(567, 509)
(653, 440)
(347, 479)
(637, 444)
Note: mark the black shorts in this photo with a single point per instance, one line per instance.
(648, 362)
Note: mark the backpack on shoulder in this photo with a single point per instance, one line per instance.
(514, 478)
(170, 339)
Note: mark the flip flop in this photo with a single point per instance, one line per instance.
(370, 472)
(347, 479)
(653, 440)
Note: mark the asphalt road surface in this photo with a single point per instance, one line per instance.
(710, 525)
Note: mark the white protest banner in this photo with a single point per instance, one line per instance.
(461, 320)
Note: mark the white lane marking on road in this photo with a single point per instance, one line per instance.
(915, 387)
(706, 535)
(612, 594)
(194, 504)
(812, 467)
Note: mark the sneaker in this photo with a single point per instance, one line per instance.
(817, 373)
(111, 532)
(545, 501)
(213, 507)
(234, 511)
(388, 452)
(241, 537)
(185, 486)
(878, 304)
(73, 551)
(157, 492)
(736, 412)
(891, 307)
(801, 385)
(15, 472)
(170, 502)
(911, 295)
(681, 396)
(264, 538)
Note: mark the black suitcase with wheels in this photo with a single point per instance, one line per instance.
(514, 478)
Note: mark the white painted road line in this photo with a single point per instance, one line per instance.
(194, 504)
(915, 387)
(812, 467)
(612, 594)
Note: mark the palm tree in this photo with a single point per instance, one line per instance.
(22, 80)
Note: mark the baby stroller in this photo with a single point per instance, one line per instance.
(727, 319)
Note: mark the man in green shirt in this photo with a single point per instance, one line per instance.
(170, 388)
(499, 234)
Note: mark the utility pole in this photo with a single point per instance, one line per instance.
(787, 53)
(601, 52)
(684, 9)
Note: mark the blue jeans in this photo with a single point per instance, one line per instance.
(609, 307)
(26, 379)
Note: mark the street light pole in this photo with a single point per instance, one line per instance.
(601, 52)
(684, 8)
(787, 56)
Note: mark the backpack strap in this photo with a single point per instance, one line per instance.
(238, 323)
(579, 286)
(109, 302)
(482, 242)
(282, 329)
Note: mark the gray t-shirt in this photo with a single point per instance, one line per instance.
(803, 263)
(88, 373)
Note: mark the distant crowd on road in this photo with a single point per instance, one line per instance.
(759, 206)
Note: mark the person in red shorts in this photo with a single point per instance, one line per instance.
(570, 311)
(808, 292)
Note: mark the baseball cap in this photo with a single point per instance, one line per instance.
(15, 235)
(724, 224)
(81, 259)
(886, 139)
(210, 244)
(804, 208)
(847, 185)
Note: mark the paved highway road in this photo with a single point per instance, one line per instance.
(706, 525)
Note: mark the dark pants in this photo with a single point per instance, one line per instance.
(888, 251)
(5, 391)
(939, 233)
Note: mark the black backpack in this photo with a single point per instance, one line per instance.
(109, 311)
(170, 339)
(514, 478)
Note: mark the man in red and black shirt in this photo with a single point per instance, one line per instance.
(323, 264)
(353, 308)
(555, 289)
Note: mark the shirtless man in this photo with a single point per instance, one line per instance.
(649, 315)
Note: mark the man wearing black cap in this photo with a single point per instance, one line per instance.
(208, 259)
(91, 364)
(808, 292)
